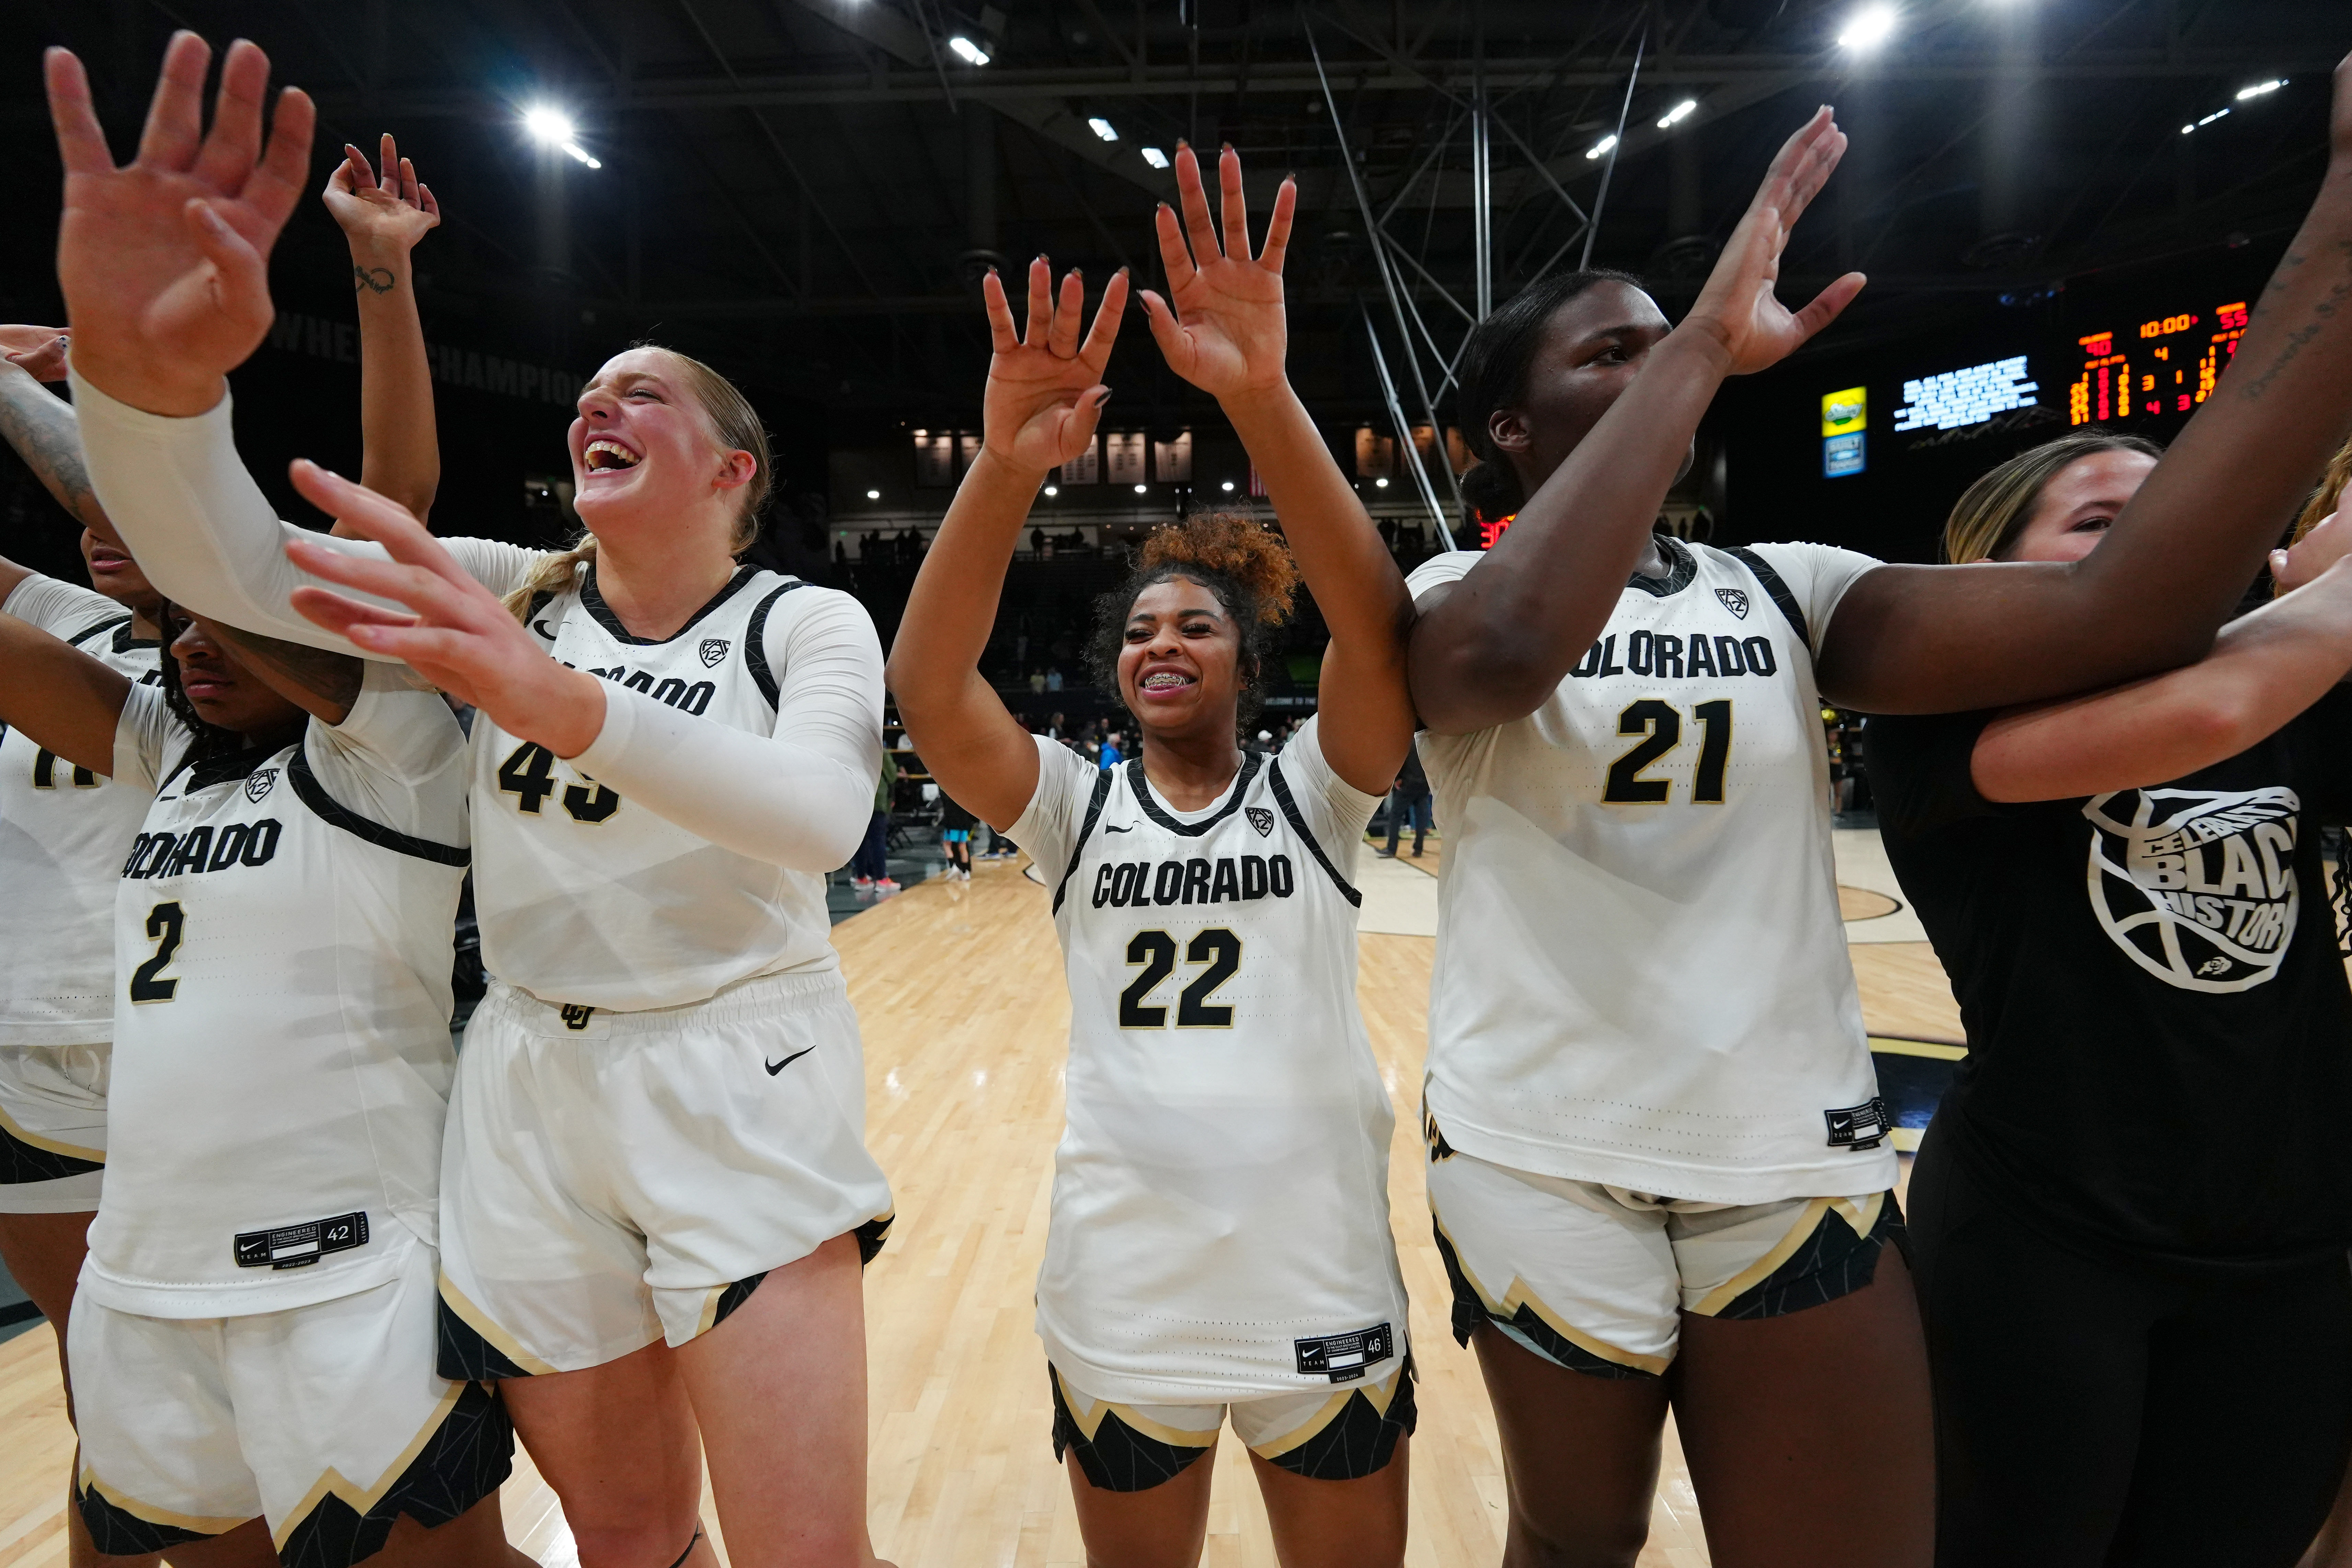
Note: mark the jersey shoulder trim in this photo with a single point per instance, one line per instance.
(1251, 763)
(755, 644)
(1776, 588)
(206, 772)
(335, 813)
(1682, 569)
(1281, 797)
(593, 601)
(115, 623)
(1086, 831)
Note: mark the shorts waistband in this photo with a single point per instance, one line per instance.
(762, 996)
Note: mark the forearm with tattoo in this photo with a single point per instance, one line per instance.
(375, 279)
(41, 428)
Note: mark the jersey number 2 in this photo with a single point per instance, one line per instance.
(528, 775)
(1218, 948)
(1663, 727)
(147, 982)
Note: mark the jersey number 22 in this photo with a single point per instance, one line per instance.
(1217, 948)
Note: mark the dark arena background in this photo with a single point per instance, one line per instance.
(2066, 210)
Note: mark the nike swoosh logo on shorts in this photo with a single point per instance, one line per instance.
(775, 1068)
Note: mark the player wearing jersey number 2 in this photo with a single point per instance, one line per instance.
(1219, 1244)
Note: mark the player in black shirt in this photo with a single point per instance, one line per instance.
(2130, 1215)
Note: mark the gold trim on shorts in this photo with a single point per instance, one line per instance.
(481, 1324)
(1175, 1436)
(1518, 1296)
(196, 1522)
(9, 1124)
(362, 1500)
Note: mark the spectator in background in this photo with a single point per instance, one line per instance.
(1112, 755)
(955, 836)
(1037, 681)
(1409, 798)
(869, 871)
(1054, 682)
(1057, 727)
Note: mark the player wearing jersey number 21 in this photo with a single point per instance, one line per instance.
(1219, 1240)
(647, 1234)
(1684, 1052)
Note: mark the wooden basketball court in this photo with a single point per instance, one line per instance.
(960, 990)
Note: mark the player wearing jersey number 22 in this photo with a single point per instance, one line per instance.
(1219, 1240)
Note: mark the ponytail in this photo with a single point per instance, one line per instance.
(555, 573)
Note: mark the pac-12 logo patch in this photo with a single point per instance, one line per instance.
(2197, 886)
(1261, 820)
(713, 651)
(1734, 600)
(259, 781)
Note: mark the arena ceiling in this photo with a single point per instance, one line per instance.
(807, 189)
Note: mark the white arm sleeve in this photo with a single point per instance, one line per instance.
(801, 795)
(206, 535)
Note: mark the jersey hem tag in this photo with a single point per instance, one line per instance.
(1344, 1358)
(299, 1246)
(1860, 1127)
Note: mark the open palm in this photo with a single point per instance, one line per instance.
(1045, 392)
(164, 261)
(1739, 303)
(1222, 325)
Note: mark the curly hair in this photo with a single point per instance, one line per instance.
(206, 740)
(1248, 570)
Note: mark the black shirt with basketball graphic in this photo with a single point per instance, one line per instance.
(2159, 1029)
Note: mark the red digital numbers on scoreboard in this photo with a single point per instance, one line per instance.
(2176, 377)
(1491, 529)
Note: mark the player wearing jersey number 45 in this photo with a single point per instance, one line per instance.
(253, 1337)
(1219, 1243)
(1652, 1129)
(645, 1230)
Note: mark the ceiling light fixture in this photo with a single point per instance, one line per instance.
(1679, 113)
(967, 51)
(1140, 489)
(2260, 88)
(1868, 27)
(1102, 127)
(1155, 157)
(1600, 147)
(1052, 491)
(552, 128)
(1229, 486)
(873, 494)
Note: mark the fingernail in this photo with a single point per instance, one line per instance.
(1183, 145)
(1224, 147)
(1077, 272)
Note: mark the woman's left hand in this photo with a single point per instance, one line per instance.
(1225, 332)
(390, 213)
(457, 635)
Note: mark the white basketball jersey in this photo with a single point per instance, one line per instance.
(63, 833)
(1642, 976)
(1220, 1216)
(282, 1043)
(583, 897)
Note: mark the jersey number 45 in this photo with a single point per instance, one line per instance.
(529, 776)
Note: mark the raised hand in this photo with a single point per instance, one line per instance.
(1222, 326)
(457, 633)
(392, 214)
(165, 262)
(38, 352)
(1045, 392)
(1737, 306)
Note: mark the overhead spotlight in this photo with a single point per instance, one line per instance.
(1379, 484)
(1155, 157)
(967, 51)
(1140, 489)
(873, 494)
(1228, 487)
(1052, 490)
(1679, 113)
(2260, 88)
(1868, 27)
(550, 127)
(1102, 127)
(1600, 147)
(2217, 115)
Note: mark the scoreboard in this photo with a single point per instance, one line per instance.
(2167, 365)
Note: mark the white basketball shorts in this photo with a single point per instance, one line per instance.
(327, 1420)
(609, 1178)
(1597, 1279)
(52, 1127)
(1341, 1434)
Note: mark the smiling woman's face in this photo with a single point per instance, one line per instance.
(1178, 666)
(642, 444)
